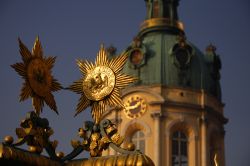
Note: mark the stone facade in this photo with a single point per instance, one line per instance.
(195, 113)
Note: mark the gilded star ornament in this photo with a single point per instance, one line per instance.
(101, 83)
(36, 71)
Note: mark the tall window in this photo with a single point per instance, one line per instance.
(138, 139)
(179, 149)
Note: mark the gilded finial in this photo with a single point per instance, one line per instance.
(211, 48)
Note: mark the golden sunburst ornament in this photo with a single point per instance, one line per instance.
(101, 83)
(36, 71)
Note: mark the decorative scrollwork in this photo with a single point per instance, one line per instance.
(97, 138)
(100, 87)
(35, 131)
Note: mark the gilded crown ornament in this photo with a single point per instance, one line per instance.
(101, 83)
(36, 71)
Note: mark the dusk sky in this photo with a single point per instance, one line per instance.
(74, 30)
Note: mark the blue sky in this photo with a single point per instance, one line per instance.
(75, 29)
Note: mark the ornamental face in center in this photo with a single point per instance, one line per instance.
(39, 77)
(99, 83)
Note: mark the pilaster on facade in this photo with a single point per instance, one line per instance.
(157, 116)
(204, 139)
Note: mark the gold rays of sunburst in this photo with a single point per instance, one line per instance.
(101, 83)
(36, 71)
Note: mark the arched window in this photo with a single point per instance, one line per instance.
(179, 149)
(138, 139)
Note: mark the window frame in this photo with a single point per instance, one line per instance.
(182, 156)
(137, 140)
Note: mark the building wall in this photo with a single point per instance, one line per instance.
(196, 114)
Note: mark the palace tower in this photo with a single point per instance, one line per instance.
(174, 113)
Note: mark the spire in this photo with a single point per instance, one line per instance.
(162, 9)
(162, 15)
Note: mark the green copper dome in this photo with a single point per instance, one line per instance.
(161, 55)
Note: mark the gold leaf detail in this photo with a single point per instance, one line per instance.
(20, 69)
(50, 101)
(75, 143)
(37, 48)
(101, 83)
(50, 62)
(55, 85)
(124, 80)
(97, 111)
(36, 71)
(76, 87)
(93, 145)
(82, 105)
(37, 104)
(26, 92)
(24, 51)
(118, 62)
(105, 140)
(117, 139)
(20, 133)
(101, 59)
